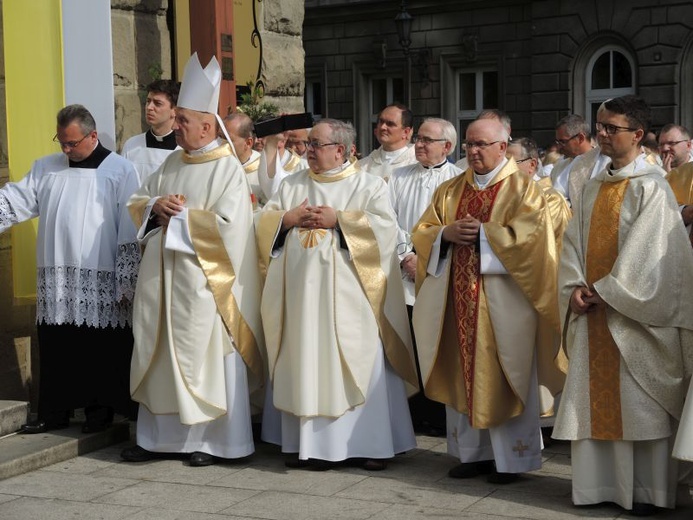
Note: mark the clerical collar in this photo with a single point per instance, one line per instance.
(394, 154)
(338, 169)
(483, 180)
(436, 166)
(208, 147)
(162, 142)
(629, 168)
(94, 160)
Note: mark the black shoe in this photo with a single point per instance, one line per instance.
(374, 465)
(136, 454)
(199, 459)
(642, 509)
(40, 426)
(502, 478)
(430, 430)
(471, 469)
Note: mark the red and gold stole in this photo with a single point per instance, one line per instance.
(604, 356)
(467, 281)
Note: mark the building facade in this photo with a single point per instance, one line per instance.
(538, 60)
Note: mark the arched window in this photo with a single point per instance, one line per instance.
(610, 73)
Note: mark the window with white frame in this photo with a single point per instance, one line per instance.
(476, 90)
(610, 73)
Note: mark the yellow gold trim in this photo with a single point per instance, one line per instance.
(681, 182)
(265, 234)
(136, 210)
(604, 355)
(292, 163)
(366, 256)
(252, 166)
(221, 276)
(221, 151)
(347, 172)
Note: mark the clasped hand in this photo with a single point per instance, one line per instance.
(307, 216)
(463, 231)
(584, 300)
(166, 207)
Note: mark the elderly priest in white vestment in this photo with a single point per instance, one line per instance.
(338, 343)
(626, 279)
(198, 337)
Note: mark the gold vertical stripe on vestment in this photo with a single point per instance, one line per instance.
(221, 276)
(604, 356)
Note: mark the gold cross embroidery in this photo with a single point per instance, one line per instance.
(520, 448)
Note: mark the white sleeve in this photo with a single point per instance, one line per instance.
(490, 263)
(436, 264)
(178, 234)
(270, 186)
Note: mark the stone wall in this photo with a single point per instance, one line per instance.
(141, 53)
(283, 55)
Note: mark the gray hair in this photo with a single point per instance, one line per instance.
(76, 114)
(528, 147)
(447, 129)
(246, 127)
(574, 124)
(342, 133)
(671, 126)
(498, 115)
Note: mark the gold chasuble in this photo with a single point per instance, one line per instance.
(326, 307)
(681, 182)
(191, 310)
(630, 360)
(477, 333)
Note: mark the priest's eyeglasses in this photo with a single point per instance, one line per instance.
(671, 144)
(478, 144)
(69, 144)
(563, 142)
(426, 140)
(317, 144)
(612, 129)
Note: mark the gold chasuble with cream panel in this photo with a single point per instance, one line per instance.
(630, 359)
(191, 310)
(326, 308)
(477, 334)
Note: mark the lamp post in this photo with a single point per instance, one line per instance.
(403, 22)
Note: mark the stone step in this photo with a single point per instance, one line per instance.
(12, 415)
(20, 453)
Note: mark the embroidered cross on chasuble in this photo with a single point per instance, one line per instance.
(467, 284)
(604, 356)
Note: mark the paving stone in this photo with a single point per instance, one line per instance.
(51, 484)
(286, 480)
(434, 494)
(204, 499)
(173, 471)
(171, 514)
(273, 505)
(400, 512)
(55, 509)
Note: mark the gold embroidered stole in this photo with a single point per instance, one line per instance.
(604, 356)
(467, 283)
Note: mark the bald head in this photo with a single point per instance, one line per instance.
(486, 143)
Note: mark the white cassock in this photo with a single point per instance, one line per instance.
(381, 163)
(410, 190)
(147, 151)
(198, 338)
(339, 348)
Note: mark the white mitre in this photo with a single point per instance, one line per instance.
(200, 89)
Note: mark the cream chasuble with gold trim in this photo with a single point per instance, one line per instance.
(325, 307)
(629, 362)
(193, 309)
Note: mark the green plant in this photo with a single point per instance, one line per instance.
(155, 71)
(252, 104)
